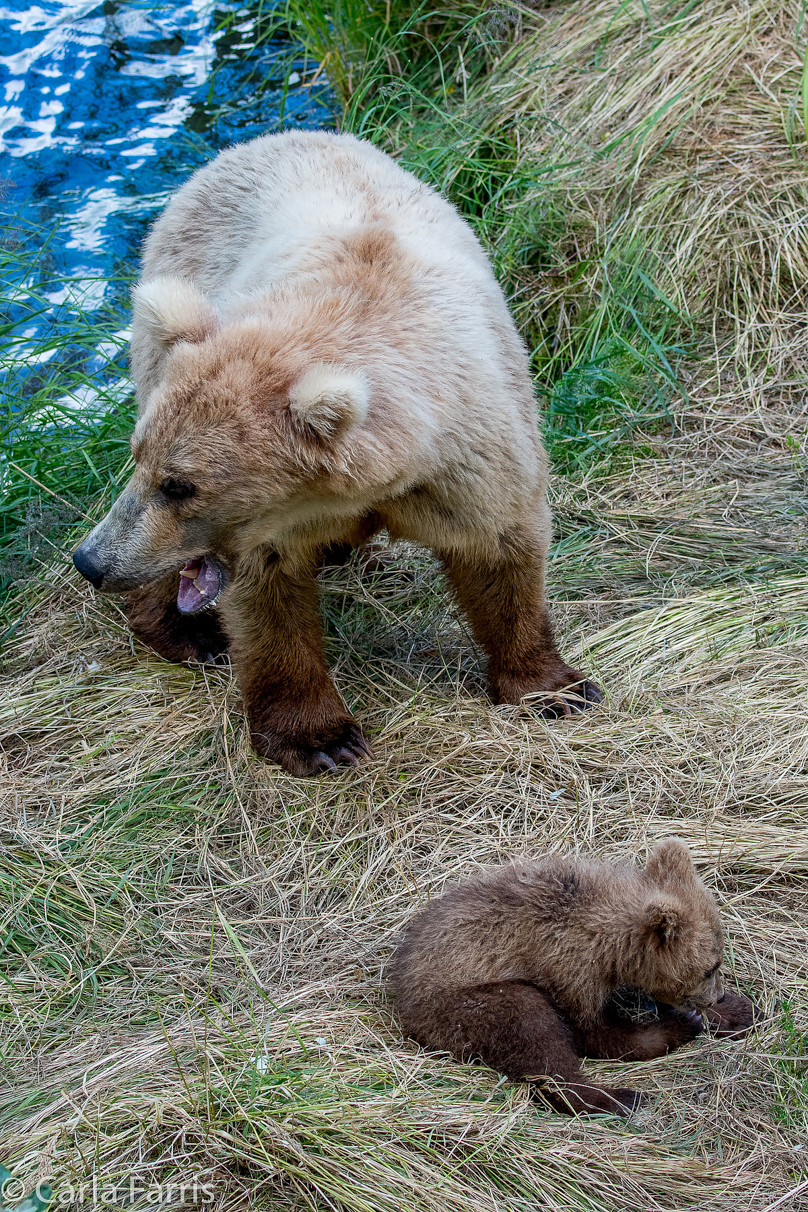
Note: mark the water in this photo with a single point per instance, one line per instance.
(106, 108)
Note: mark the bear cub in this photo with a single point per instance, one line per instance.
(523, 967)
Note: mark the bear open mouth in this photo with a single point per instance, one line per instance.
(200, 585)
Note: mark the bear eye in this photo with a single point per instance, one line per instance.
(177, 490)
(711, 971)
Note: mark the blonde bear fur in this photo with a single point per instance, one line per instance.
(321, 350)
(520, 966)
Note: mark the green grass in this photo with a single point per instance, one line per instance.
(66, 407)
(605, 366)
(792, 1107)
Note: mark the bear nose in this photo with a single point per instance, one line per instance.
(87, 567)
(721, 998)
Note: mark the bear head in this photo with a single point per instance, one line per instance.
(243, 435)
(672, 945)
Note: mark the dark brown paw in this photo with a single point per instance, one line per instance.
(568, 700)
(581, 1099)
(680, 1027)
(206, 640)
(628, 1100)
(346, 746)
(155, 619)
(555, 692)
(732, 1018)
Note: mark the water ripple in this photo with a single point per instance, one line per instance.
(106, 108)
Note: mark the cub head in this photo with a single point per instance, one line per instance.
(244, 425)
(676, 943)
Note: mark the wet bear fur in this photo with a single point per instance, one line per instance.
(520, 967)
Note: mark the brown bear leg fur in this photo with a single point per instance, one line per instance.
(504, 602)
(155, 618)
(616, 1038)
(733, 1017)
(296, 716)
(513, 1027)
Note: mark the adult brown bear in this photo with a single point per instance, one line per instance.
(321, 351)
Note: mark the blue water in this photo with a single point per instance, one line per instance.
(106, 108)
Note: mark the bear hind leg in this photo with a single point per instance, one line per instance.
(156, 619)
(503, 599)
(512, 1027)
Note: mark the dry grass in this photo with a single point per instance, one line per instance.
(179, 909)
(193, 942)
(674, 134)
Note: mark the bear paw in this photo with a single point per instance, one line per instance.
(733, 1017)
(308, 756)
(175, 636)
(204, 642)
(568, 700)
(551, 692)
(579, 1098)
(630, 1100)
(680, 1027)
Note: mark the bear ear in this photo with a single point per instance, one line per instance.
(663, 924)
(172, 309)
(670, 863)
(330, 399)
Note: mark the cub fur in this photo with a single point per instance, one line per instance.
(519, 967)
(320, 351)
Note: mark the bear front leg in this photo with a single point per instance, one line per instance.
(616, 1038)
(515, 1029)
(295, 715)
(733, 1017)
(156, 619)
(503, 598)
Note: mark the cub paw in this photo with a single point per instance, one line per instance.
(734, 1017)
(680, 1027)
(311, 755)
(581, 1099)
(629, 1100)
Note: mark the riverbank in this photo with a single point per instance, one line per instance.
(105, 109)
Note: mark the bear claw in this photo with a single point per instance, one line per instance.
(304, 759)
(569, 700)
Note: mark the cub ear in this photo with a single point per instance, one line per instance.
(663, 924)
(670, 863)
(330, 399)
(172, 309)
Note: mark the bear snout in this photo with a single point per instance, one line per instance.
(87, 564)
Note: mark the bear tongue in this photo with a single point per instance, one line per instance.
(199, 584)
